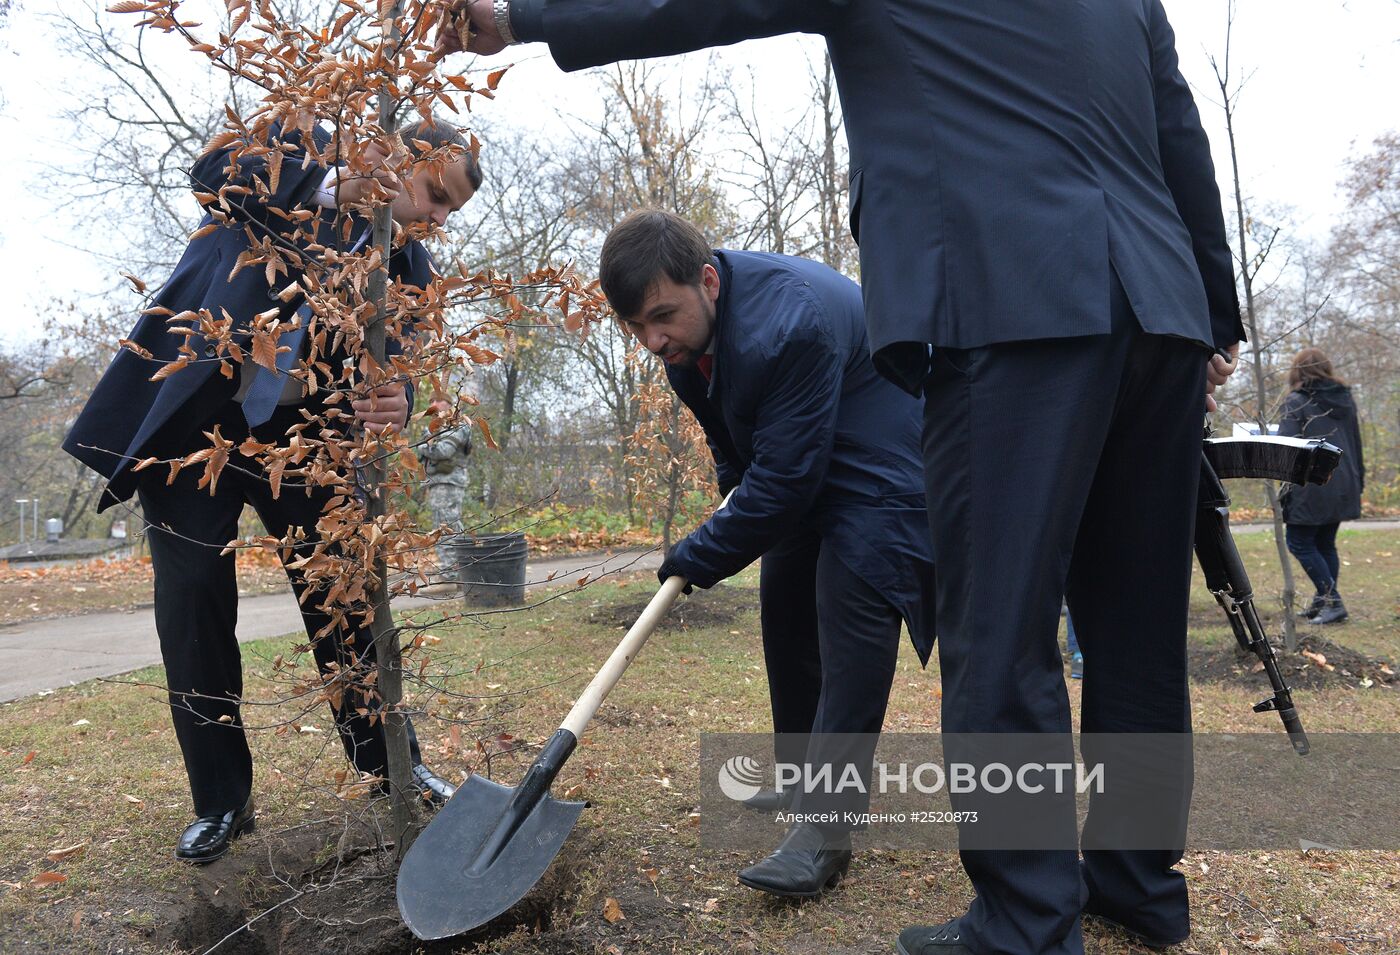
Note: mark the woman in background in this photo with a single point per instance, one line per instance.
(1319, 405)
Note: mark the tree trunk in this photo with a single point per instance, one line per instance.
(1261, 389)
(386, 638)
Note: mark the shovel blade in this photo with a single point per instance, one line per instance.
(445, 888)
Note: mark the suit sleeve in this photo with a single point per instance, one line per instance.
(296, 182)
(1190, 175)
(725, 476)
(794, 431)
(585, 33)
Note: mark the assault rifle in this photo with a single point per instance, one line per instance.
(1294, 460)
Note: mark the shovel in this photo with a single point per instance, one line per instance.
(491, 843)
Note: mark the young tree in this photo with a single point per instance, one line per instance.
(361, 74)
(1250, 262)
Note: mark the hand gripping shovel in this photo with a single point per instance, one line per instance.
(491, 843)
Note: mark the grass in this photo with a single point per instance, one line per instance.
(105, 774)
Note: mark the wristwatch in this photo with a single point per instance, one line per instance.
(501, 10)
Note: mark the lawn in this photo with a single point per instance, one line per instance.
(93, 794)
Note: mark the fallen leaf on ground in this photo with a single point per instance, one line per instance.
(137, 800)
(50, 878)
(710, 905)
(58, 855)
(612, 911)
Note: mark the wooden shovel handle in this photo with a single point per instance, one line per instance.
(597, 690)
(602, 684)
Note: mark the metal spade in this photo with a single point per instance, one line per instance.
(490, 844)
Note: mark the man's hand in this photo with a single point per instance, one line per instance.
(1217, 371)
(387, 407)
(468, 25)
(376, 181)
(669, 568)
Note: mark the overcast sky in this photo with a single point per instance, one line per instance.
(1324, 76)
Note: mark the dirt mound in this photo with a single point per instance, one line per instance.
(715, 607)
(1318, 664)
(334, 897)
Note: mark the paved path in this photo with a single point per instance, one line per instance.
(49, 653)
(44, 654)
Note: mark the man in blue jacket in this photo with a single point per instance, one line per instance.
(822, 455)
(130, 417)
(1043, 256)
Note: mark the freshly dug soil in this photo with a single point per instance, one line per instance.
(1338, 666)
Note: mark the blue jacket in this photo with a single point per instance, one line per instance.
(809, 435)
(127, 411)
(1004, 155)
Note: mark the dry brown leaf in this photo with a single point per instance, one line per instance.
(49, 878)
(710, 905)
(612, 911)
(58, 855)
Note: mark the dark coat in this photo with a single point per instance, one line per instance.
(128, 414)
(809, 434)
(1324, 409)
(1003, 157)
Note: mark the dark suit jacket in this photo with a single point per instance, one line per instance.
(811, 436)
(127, 413)
(1004, 153)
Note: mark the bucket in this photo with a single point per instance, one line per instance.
(492, 569)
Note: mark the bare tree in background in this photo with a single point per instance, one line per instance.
(1250, 262)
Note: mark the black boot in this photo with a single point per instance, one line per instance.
(1333, 611)
(806, 863)
(1314, 608)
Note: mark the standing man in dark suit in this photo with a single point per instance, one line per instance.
(822, 454)
(1043, 256)
(130, 417)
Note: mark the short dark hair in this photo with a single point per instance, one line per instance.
(643, 247)
(438, 134)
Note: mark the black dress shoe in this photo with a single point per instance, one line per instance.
(770, 800)
(943, 939)
(431, 787)
(806, 863)
(208, 837)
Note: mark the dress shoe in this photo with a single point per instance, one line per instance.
(431, 787)
(942, 939)
(770, 800)
(208, 837)
(1333, 611)
(805, 863)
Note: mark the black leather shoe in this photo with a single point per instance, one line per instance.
(208, 837)
(770, 800)
(431, 787)
(942, 939)
(805, 864)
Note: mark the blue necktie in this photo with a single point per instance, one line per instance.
(261, 399)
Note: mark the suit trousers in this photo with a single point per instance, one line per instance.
(196, 610)
(1067, 466)
(830, 642)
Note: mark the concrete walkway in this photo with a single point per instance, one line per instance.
(45, 654)
(50, 653)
